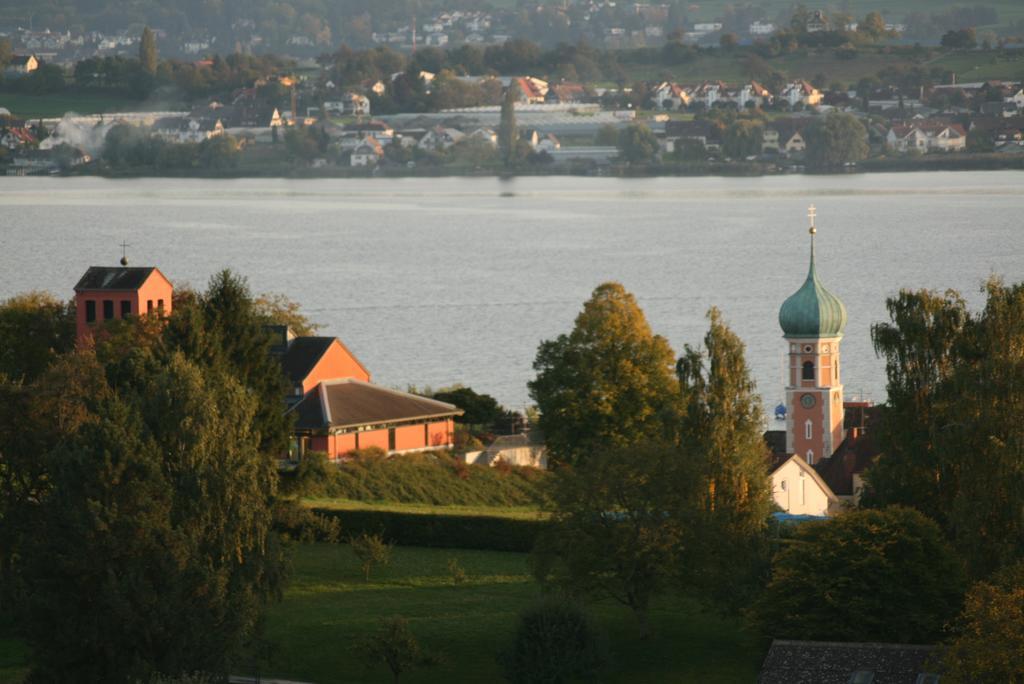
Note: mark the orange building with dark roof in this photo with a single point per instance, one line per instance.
(113, 293)
(338, 410)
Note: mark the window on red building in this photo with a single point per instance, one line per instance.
(126, 309)
(149, 306)
(90, 311)
(108, 309)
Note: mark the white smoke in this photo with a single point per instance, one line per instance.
(84, 132)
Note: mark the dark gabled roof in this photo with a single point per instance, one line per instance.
(114, 278)
(302, 355)
(351, 403)
(819, 662)
(854, 455)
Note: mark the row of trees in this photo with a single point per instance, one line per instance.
(661, 482)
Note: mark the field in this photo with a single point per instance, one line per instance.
(328, 606)
(969, 66)
(55, 106)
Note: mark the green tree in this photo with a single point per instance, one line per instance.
(988, 645)
(951, 444)
(223, 328)
(722, 430)
(606, 384)
(873, 26)
(508, 131)
(743, 138)
(480, 409)
(868, 575)
(279, 309)
(836, 140)
(219, 152)
(637, 144)
(154, 551)
(147, 52)
(608, 135)
(921, 345)
(615, 532)
(959, 39)
(34, 329)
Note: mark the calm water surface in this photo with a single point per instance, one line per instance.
(442, 281)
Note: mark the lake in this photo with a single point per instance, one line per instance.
(432, 282)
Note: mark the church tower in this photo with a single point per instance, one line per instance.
(812, 321)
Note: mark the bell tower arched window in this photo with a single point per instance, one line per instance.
(808, 370)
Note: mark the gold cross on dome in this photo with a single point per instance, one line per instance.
(811, 214)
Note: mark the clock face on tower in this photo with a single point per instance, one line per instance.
(807, 401)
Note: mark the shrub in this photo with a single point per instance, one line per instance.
(395, 646)
(865, 575)
(371, 550)
(456, 570)
(313, 476)
(554, 641)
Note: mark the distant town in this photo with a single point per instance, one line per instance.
(456, 93)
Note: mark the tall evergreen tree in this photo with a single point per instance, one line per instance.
(508, 132)
(147, 51)
(606, 384)
(224, 328)
(722, 429)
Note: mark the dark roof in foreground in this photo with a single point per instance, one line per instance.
(114, 277)
(822, 662)
(351, 402)
(302, 354)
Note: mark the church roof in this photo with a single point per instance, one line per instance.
(812, 311)
(114, 278)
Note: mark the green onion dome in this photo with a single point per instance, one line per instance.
(812, 311)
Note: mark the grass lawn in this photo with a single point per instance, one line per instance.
(328, 606)
(55, 106)
(517, 512)
(975, 66)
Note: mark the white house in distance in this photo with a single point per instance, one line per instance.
(927, 137)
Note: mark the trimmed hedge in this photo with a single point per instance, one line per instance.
(440, 530)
